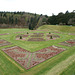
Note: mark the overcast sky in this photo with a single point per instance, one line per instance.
(46, 7)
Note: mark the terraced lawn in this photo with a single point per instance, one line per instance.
(51, 66)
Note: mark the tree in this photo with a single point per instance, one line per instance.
(4, 15)
(52, 20)
(30, 26)
(16, 20)
(67, 12)
(71, 21)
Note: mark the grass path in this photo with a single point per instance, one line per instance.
(56, 70)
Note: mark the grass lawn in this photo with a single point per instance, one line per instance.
(70, 70)
(51, 66)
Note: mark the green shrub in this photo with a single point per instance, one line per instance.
(27, 33)
(49, 32)
(20, 37)
(51, 37)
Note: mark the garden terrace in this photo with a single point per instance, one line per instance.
(4, 42)
(29, 59)
(4, 34)
(71, 34)
(53, 35)
(69, 43)
(37, 35)
(19, 32)
(36, 39)
(22, 35)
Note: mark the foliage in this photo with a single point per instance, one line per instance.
(51, 37)
(20, 37)
(20, 19)
(62, 18)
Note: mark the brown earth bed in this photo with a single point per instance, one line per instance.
(36, 39)
(54, 36)
(22, 35)
(37, 35)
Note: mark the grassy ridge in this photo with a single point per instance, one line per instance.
(58, 28)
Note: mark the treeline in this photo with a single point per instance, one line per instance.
(67, 18)
(33, 21)
(21, 19)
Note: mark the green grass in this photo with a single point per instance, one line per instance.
(70, 70)
(9, 67)
(6, 67)
(58, 28)
(56, 70)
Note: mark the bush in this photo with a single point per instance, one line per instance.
(27, 33)
(51, 37)
(20, 37)
(49, 32)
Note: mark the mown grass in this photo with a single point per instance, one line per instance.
(6, 67)
(12, 30)
(70, 70)
(58, 28)
(56, 70)
(11, 69)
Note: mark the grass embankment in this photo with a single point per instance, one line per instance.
(58, 28)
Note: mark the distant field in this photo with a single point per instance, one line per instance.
(61, 64)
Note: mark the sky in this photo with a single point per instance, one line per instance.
(45, 7)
